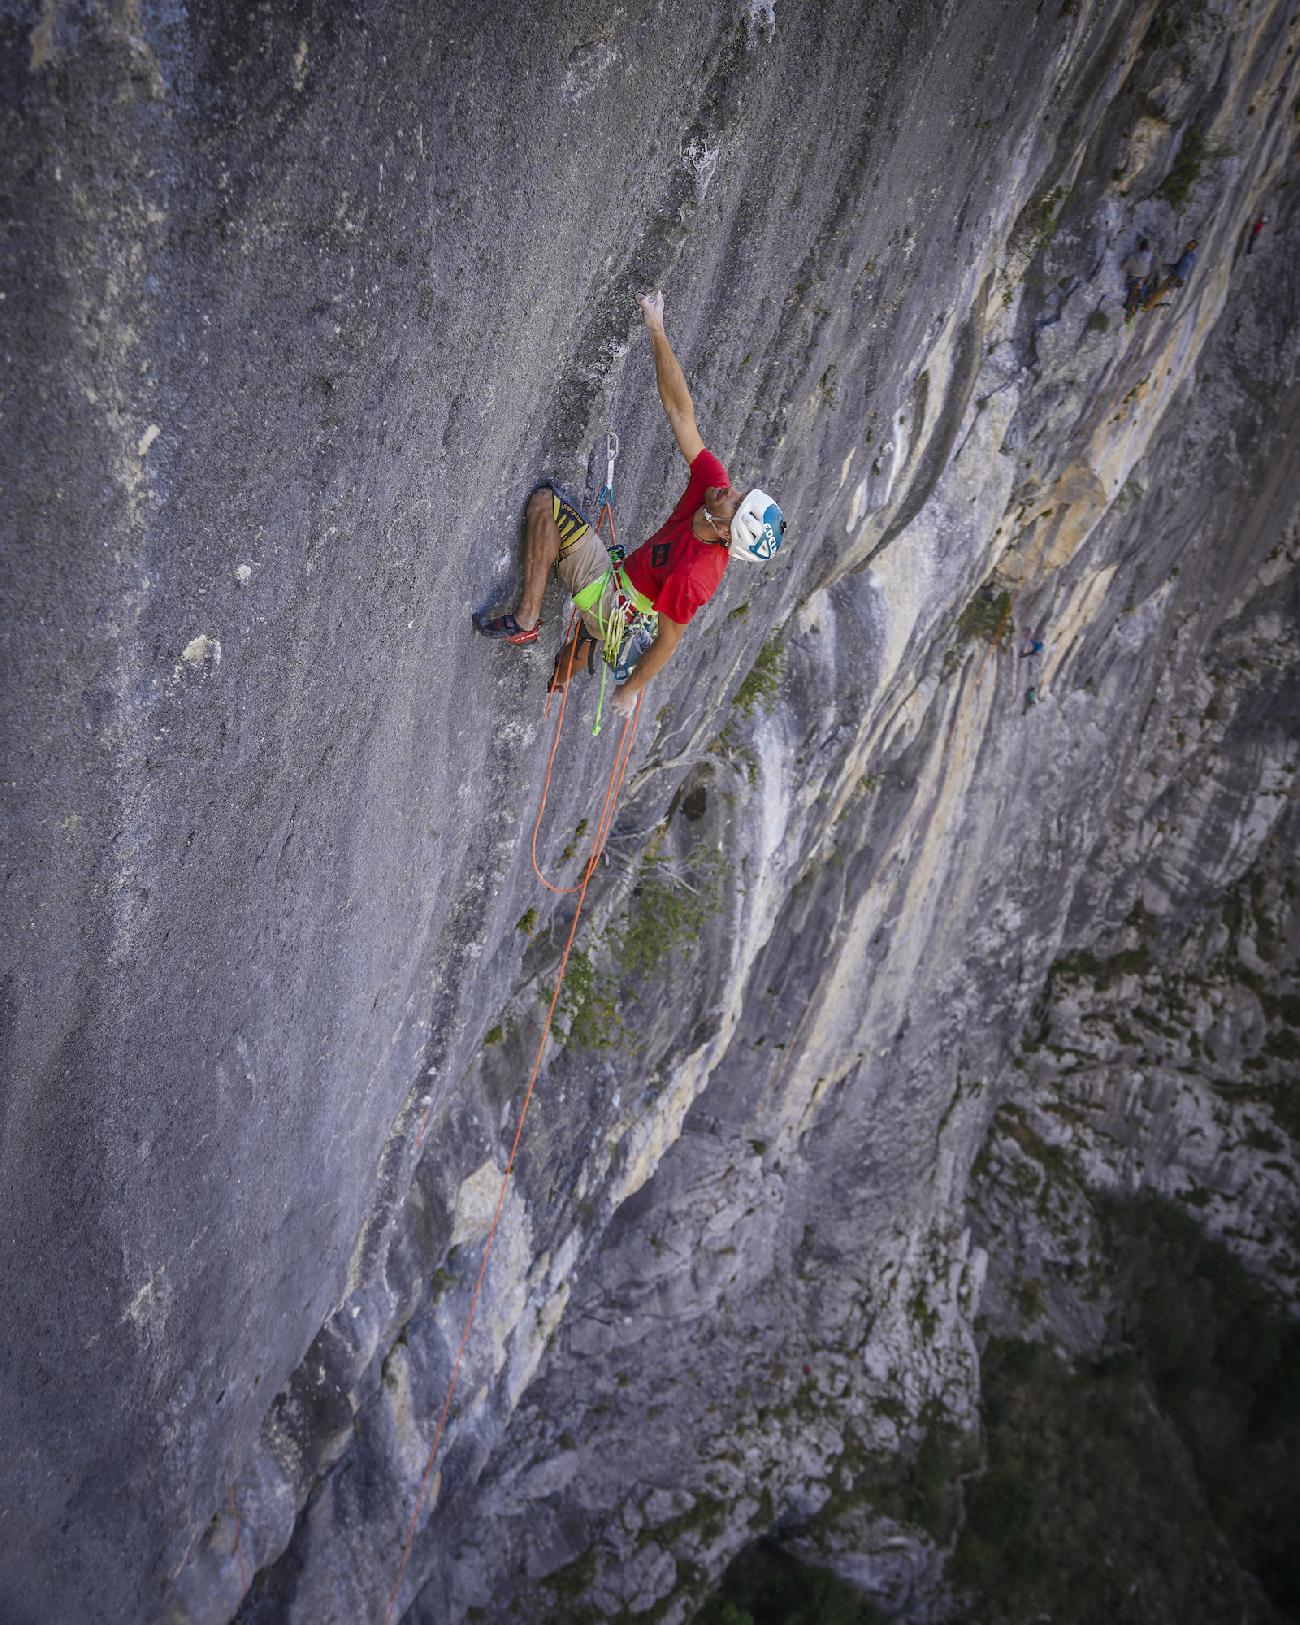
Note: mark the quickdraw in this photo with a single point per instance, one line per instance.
(606, 497)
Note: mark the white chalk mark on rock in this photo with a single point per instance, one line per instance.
(701, 161)
(147, 1311)
(761, 19)
(202, 651)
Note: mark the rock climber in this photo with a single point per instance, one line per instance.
(1137, 273)
(1033, 648)
(1181, 269)
(670, 576)
(1254, 233)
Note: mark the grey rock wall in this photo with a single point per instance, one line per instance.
(298, 304)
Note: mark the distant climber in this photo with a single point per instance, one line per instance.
(1032, 698)
(665, 580)
(1137, 273)
(1254, 233)
(1177, 274)
(1033, 647)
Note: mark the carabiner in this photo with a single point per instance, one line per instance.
(611, 451)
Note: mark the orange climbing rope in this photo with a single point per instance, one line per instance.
(611, 795)
(605, 823)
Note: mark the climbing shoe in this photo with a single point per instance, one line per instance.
(507, 628)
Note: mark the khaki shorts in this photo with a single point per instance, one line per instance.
(583, 559)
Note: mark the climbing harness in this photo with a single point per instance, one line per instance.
(626, 630)
(631, 625)
(604, 824)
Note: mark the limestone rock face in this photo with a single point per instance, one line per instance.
(298, 306)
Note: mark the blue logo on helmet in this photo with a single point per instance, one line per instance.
(768, 541)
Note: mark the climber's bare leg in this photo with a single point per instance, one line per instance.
(541, 549)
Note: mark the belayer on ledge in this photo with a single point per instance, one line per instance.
(1137, 275)
(656, 590)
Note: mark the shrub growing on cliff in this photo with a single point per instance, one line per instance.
(1185, 171)
(763, 683)
(667, 913)
(667, 909)
(987, 616)
(1045, 216)
(1165, 30)
(1085, 966)
(587, 1006)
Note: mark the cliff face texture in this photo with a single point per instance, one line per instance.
(917, 972)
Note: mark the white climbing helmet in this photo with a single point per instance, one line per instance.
(757, 528)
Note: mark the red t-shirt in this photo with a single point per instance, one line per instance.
(675, 570)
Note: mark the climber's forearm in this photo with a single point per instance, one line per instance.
(671, 380)
(656, 656)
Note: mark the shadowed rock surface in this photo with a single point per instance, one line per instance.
(891, 981)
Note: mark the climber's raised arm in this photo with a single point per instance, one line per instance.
(671, 380)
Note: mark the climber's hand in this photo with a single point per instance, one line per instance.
(624, 699)
(652, 308)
